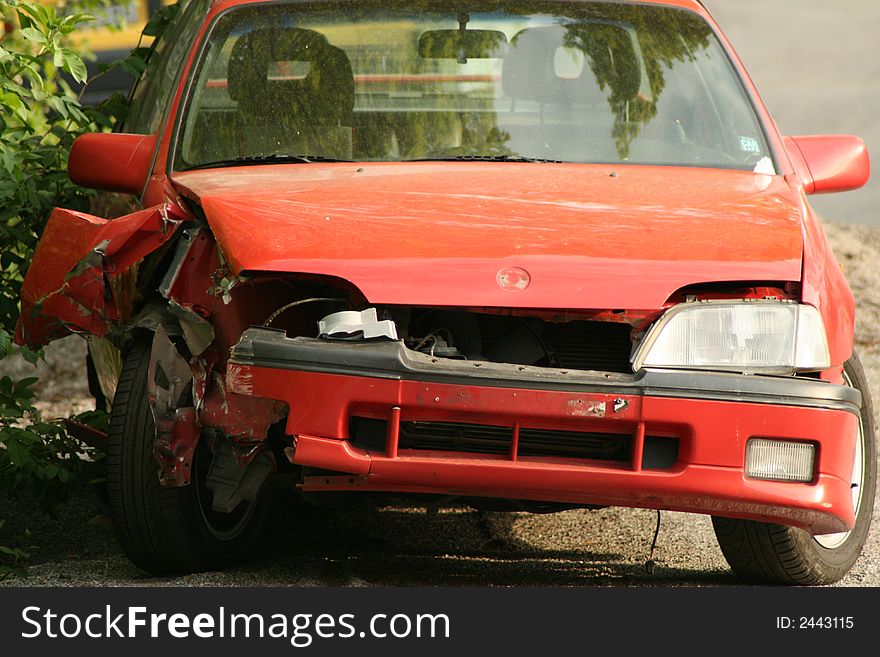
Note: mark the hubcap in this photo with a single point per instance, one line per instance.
(831, 541)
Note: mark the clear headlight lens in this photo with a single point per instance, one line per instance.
(762, 337)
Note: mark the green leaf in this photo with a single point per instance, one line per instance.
(8, 160)
(38, 94)
(74, 65)
(14, 87)
(22, 387)
(70, 23)
(18, 453)
(46, 429)
(51, 15)
(35, 74)
(142, 52)
(58, 105)
(100, 420)
(15, 104)
(33, 34)
(30, 356)
(9, 411)
(160, 20)
(38, 12)
(23, 19)
(133, 65)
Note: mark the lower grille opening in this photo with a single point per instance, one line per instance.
(367, 433)
(454, 437)
(660, 453)
(575, 444)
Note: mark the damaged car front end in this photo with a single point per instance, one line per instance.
(488, 258)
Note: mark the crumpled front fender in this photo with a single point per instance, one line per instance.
(83, 273)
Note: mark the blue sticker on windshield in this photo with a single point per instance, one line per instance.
(749, 144)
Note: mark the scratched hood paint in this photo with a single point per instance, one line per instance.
(440, 233)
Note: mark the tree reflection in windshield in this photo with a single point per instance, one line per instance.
(664, 38)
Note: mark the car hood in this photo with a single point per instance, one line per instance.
(448, 234)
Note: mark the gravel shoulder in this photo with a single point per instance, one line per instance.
(365, 546)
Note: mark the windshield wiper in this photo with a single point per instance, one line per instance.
(483, 158)
(250, 160)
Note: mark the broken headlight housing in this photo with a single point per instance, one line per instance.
(754, 337)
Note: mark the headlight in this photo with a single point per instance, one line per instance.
(762, 337)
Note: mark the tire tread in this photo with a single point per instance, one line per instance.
(148, 519)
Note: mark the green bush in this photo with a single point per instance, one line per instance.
(40, 116)
(38, 459)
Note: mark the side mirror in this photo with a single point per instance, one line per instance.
(829, 163)
(113, 162)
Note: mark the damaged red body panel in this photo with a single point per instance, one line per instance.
(245, 418)
(82, 276)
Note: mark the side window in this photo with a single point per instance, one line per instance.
(150, 97)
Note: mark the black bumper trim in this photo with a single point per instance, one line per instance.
(262, 347)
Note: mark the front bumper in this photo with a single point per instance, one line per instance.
(709, 417)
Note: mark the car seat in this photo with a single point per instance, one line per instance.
(295, 94)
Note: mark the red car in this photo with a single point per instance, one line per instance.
(512, 255)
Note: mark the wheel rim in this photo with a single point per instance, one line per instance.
(831, 541)
(221, 526)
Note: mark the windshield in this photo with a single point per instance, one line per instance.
(524, 81)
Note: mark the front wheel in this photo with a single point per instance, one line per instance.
(787, 555)
(166, 530)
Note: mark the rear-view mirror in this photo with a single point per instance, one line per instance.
(462, 45)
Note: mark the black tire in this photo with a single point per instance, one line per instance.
(166, 530)
(780, 554)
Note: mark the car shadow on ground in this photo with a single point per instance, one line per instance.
(458, 547)
(362, 545)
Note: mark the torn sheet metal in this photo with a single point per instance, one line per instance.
(188, 304)
(154, 314)
(169, 382)
(198, 332)
(181, 251)
(243, 418)
(354, 325)
(83, 272)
